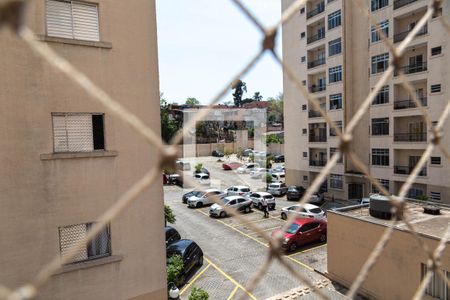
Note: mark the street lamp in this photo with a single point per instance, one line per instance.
(174, 292)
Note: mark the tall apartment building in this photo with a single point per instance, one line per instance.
(65, 159)
(340, 57)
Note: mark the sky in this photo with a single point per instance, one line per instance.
(202, 44)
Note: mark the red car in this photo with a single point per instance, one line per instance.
(303, 231)
(231, 165)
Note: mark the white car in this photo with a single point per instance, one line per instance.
(278, 176)
(316, 198)
(246, 168)
(257, 198)
(237, 202)
(202, 178)
(277, 189)
(237, 190)
(305, 211)
(204, 198)
(258, 173)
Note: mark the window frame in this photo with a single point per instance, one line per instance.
(382, 97)
(433, 163)
(379, 157)
(335, 47)
(375, 31)
(379, 63)
(336, 181)
(335, 74)
(334, 19)
(379, 4)
(380, 126)
(384, 182)
(336, 97)
(435, 86)
(438, 48)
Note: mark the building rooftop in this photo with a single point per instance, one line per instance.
(425, 224)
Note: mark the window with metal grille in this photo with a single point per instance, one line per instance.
(99, 247)
(380, 157)
(335, 74)
(305, 154)
(304, 107)
(435, 196)
(305, 178)
(332, 152)
(415, 192)
(82, 132)
(384, 183)
(336, 181)
(377, 4)
(334, 47)
(304, 131)
(375, 32)
(334, 19)
(436, 51)
(380, 126)
(435, 88)
(382, 96)
(437, 287)
(380, 63)
(338, 125)
(72, 20)
(303, 59)
(435, 160)
(302, 35)
(336, 101)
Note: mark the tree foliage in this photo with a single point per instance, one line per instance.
(198, 167)
(239, 88)
(192, 101)
(257, 96)
(174, 270)
(275, 109)
(169, 215)
(169, 126)
(198, 294)
(273, 139)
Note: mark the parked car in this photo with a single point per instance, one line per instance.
(278, 176)
(172, 235)
(279, 169)
(204, 198)
(257, 198)
(277, 188)
(316, 198)
(237, 202)
(246, 168)
(237, 190)
(217, 153)
(247, 152)
(202, 178)
(278, 158)
(191, 254)
(183, 165)
(202, 170)
(304, 211)
(231, 165)
(258, 173)
(186, 196)
(303, 231)
(295, 192)
(364, 201)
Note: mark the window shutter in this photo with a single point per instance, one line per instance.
(69, 236)
(60, 134)
(79, 132)
(85, 21)
(59, 19)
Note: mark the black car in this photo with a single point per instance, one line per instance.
(172, 235)
(190, 194)
(295, 192)
(191, 254)
(278, 158)
(217, 153)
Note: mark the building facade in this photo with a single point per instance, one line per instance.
(65, 159)
(340, 57)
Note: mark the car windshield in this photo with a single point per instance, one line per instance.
(225, 200)
(274, 186)
(292, 189)
(293, 228)
(268, 197)
(316, 210)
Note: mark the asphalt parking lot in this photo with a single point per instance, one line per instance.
(233, 252)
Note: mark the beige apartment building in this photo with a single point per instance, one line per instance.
(340, 57)
(65, 159)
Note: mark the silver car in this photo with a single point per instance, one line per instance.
(239, 203)
(277, 189)
(237, 190)
(257, 199)
(305, 211)
(204, 198)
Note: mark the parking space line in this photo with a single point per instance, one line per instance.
(231, 279)
(299, 263)
(245, 223)
(194, 279)
(232, 293)
(307, 250)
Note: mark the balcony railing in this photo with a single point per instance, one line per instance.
(315, 63)
(320, 8)
(406, 170)
(403, 104)
(401, 3)
(314, 114)
(410, 137)
(402, 35)
(411, 69)
(317, 88)
(316, 37)
(317, 163)
(317, 138)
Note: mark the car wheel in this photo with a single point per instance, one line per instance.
(293, 247)
(283, 216)
(260, 206)
(223, 214)
(200, 261)
(247, 209)
(199, 204)
(273, 207)
(323, 237)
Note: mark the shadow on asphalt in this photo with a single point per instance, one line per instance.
(306, 247)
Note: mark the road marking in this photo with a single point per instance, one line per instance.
(230, 279)
(194, 279)
(299, 263)
(232, 293)
(310, 249)
(245, 223)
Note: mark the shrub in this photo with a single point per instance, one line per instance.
(268, 178)
(198, 294)
(174, 270)
(422, 197)
(198, 167)
(169, 215)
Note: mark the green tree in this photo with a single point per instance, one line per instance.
(275, 109)
(239, 88)
(174, 270)
(198, 294)
(257, 96)
(192, 101)
(273, 139)
(169, 126)
(169, 215)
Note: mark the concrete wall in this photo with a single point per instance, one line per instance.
(397, 273)
(38, 195)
